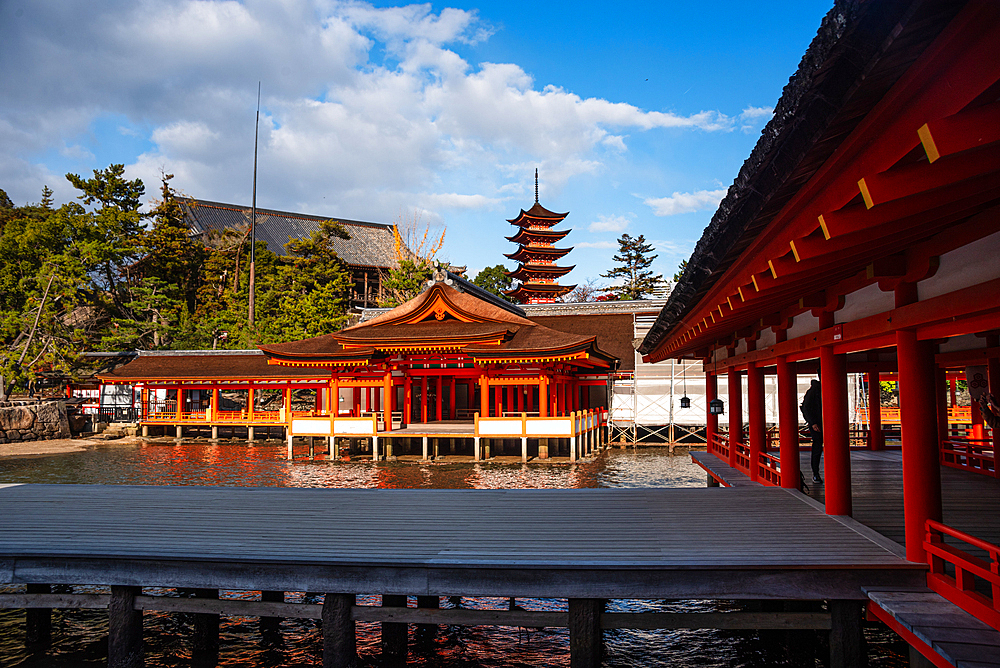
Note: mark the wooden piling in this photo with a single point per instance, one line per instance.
(38, 631)
(427, 632)
(393, 633)
(847, 648)
(270, 626)
(340, 645)
(125, 646)
(585, 637)
(205, 642)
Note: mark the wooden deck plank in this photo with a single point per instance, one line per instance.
(652, 540)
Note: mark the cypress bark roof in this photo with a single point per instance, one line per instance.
(860, 51)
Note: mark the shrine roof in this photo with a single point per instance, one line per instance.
(204, 365)
(370, 244)
(538, 212)
(860, 51)
(614, 332)
(442, 317)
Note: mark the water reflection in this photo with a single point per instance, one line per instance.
(80, 636)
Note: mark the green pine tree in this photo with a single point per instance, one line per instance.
(633, 260)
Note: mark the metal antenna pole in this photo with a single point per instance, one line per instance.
(253, 214)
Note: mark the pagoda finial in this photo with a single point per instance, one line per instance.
(536, 185)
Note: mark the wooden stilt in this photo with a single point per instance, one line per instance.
(289, 439)
(524, 448)
(125, 646)
(475, 452)
(250, 433)
(179, 431)
(423, 440)
(846, 636)
(585, 638)
(340, 645)
(205, 643)
(393, 634)
(427, 632)
(270, 626)
(38, 631)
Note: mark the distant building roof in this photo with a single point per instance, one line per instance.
(370, 245)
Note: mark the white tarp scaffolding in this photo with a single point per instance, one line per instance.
(645, 405)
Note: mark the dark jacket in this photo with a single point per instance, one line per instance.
(812, 405)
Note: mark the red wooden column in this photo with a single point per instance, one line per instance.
(439, 399)
(356, 394)
(423, 399)
(484, 396)
(836, 438)
(788, 423)
(576, 395)
(993, 378)
(387, 390)
(711, 421)
(498, 400)
(452, 411)
(735, 413)
(407, 399)
(918, 422)
(334, 399)
(530, 398)
(876, 441)
(758, 428)
(543, 396)
(520, 397)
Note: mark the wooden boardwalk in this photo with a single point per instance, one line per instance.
(595, 543)
(970, 503)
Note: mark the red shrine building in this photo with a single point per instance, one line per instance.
(863, 236)
(537, 255)
(453, 363)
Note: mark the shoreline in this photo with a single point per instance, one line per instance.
(57, 446)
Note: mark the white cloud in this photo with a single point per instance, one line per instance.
(685, 202)
(365, 110)
(609, 224)
(754, 118)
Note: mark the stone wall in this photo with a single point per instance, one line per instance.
(32, 422)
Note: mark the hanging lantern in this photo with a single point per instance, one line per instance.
(685, 400)
(716, 407)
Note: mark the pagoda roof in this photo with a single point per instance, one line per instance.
(524, 291)
(537, 213)
(528, 251)
(443, 319)
(523, 272)
(525, 235)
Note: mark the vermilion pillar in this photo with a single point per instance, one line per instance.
(388, 393)
(484, 396)
(711, 421)
(735, 413)
(439, 399)
(334, 398)
(407, 400)
(836, 439)
(530, 398)
(543, 396)
(423, 399)
(993, 377)
(758, 428)
(876, 441)
(788, 423)
(918, 422)
(452, 411)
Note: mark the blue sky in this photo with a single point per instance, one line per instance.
(637, 116)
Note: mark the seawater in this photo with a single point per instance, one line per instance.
(79, 637)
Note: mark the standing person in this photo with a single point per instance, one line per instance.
(812, 411)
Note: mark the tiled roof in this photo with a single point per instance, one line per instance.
(614, 332)
(370, 245)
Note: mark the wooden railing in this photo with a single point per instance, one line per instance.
(769, 469)
(956, 415)
(967, 571)
(976, 455)
(720, 446)
(742, 456)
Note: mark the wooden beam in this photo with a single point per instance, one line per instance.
(960, 132)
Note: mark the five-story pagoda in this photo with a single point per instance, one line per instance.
(537, 255)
